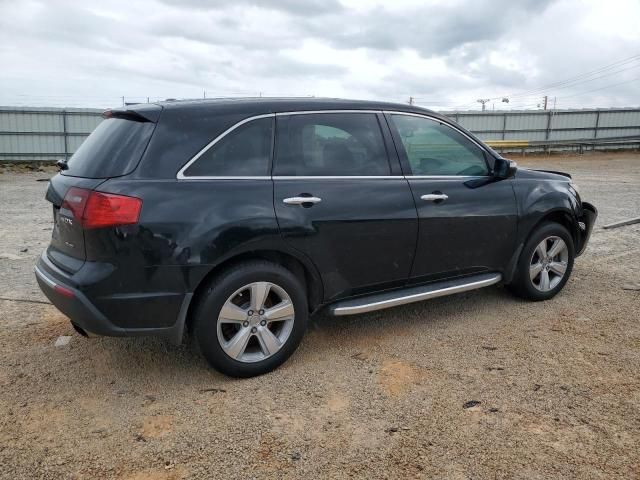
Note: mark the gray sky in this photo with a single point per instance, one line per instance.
(446, 54)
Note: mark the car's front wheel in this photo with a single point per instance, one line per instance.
(251, 319)
(545, 263)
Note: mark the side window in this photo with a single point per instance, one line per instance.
(330, 144)
(436, 149)
(244, 152)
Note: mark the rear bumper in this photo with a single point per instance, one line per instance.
(585, 226)
(68, 297)
(75, 305)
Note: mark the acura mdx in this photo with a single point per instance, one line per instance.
(236, 219)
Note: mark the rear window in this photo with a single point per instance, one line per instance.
(113, 149)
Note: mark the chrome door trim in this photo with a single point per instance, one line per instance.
(182, 176)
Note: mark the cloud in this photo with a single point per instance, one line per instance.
(445, 53)
(294, 7)
(429, 29)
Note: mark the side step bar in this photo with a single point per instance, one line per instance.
(379, 301)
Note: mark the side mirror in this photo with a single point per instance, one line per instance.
(504, 168)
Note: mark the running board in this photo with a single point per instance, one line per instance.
(379, 301)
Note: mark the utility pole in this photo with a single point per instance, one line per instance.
(123, 101)
(483, 101)
(410, 100)
(546, 98)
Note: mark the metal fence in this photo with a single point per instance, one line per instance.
(554, 129)
(44, 133)
(53, 133)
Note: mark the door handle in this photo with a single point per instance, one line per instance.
(301, 200)
(435, 197)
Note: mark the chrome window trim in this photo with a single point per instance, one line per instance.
(336, 177)
(443, 177)
(408, 114)
(436, 119)
(182, 176)
(313, 112)
(341, 177)
(264, 177)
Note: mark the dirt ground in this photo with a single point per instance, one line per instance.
(552, 389)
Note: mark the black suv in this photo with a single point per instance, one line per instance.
(236, 219)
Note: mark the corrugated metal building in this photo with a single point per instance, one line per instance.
(53, 133)
(550, 124)
(37, 133)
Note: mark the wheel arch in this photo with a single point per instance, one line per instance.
(300, 267)
(561, 215)
(541, 202)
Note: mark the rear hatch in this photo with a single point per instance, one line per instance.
(114, 149)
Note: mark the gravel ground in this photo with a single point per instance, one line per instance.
(552, 389)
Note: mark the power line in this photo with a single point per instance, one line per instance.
(583, 93)
(423, 100)
(573, 84)
(601, 88)
(581, 78)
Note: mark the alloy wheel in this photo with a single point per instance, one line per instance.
(548, 263)
(255, 322)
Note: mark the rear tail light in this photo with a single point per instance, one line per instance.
(107, 210)
(75, 200)
(98, 209)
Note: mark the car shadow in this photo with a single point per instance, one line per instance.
(157, 360)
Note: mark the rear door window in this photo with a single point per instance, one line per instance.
(243, 152)
(433, 148)
(113, 149)
(331, 144)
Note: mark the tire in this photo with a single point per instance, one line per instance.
(239, 342)
(536, 288)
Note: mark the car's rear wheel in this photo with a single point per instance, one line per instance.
(251, 319)
(545, 263)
